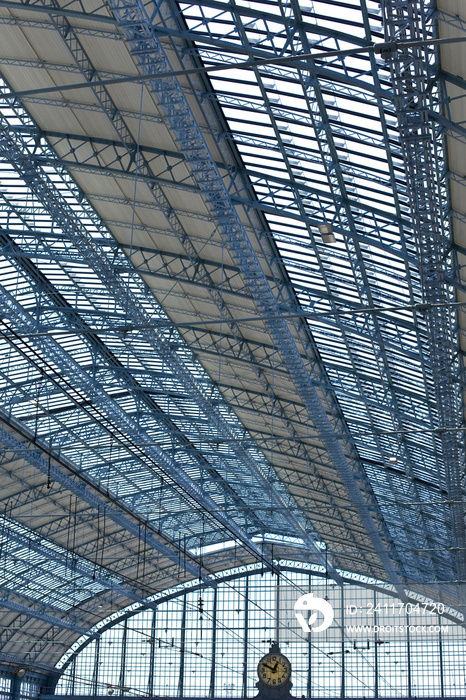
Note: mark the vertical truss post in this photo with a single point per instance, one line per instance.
(246, 639)
(124, 644)
(416, 94)
(153, 629)
(95, 673)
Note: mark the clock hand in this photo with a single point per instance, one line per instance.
(274, 669)
(270, 667)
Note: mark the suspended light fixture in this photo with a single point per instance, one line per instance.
(326, 231)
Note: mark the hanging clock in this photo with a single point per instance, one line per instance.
(274, 671)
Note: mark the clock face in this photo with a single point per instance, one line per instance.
(274, 670)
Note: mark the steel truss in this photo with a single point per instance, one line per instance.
(138, 319)
(29, 269)
(116, 409)
(137, 28)
(416, 96)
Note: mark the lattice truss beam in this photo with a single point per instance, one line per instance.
(167, 372)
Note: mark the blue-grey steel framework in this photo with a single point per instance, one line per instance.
(417, 95)
(118, 411)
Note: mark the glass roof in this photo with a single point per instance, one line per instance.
(320, 142)
(96, 375)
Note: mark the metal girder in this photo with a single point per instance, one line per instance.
(453, 20)
(253, 400)
(107, 171)
(76, 565)
(367, 92)
(368, 330)
(105, 151)
(455, 130)
(318, 110)
(166, 265)
(23, 564)
(238, 403)
(282, 186)
(182, 269)
(358, 330)
(245, 10)
(153, 261)
(277, 112)
(44, 283)
(53, 527)
(56, 103)
(31, 611)
(66, 12)
(18, 660)
(42, 24)
(415, 96)
(148, 261)
(454, 80)
(77, 485)
(137, 28)
(158, 575)
(144, 395)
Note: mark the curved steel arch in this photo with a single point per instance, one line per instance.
(226, 576)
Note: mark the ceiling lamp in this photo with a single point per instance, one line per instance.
(326, 231)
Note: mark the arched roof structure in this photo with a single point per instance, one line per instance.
(232, 239)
